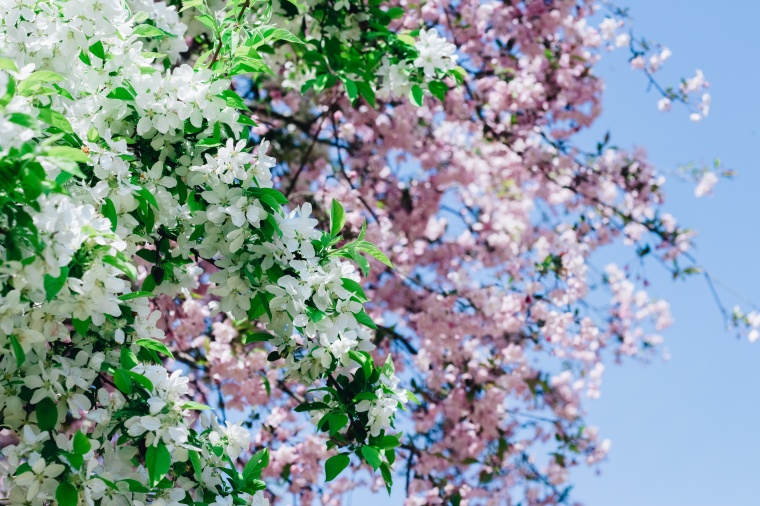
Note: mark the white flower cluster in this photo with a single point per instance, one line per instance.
(435, 56)
(128, 155)
(389, 398)
(380, 406)
(396, 78)
(435, 53)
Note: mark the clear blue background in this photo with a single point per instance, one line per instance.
(686, 432)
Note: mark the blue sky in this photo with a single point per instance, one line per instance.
(685, 432)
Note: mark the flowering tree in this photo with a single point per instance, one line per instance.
(153, 267)
(112, 154)
(451, 130)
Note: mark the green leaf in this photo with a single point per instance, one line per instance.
(195, 405)
(47, 414)
(335, 465)
(123, 265)
(120, 94)
(158, 461)
(336, 422)
(271, 192)
(363, 318)
(233, 100)
(195, 460)
(154, 345)
(135, 295)
(9, 93)
(256, 485)
(31, 183)
(18, 351)
(123, 381)
(66, 494)
(365, 361)
(270, 202)
(259, 306)
(207, 20)
(54, 285)
(139, 17)
(64, 176)
(141, 380)
(245, 120)
(315, 314)
(301, 6)
(337, 218)
(388, 369)
(308, 85)
(373, 251)
(367, 92)
(149, 284)
(459, 74)
(127, 358)
(256, 337)
(55, 119)
(148, 255)
(210, 142)
(22, 119)
(355, 288)
(249, 65)
(255, 464)
(109, 211)
(7, 64)
(385, 470)
(148, 31)
(189, 4)
(360, 260)
(438, 89)
(135, 486)
(154, 55)
(81, 444)
(74, 154)
(310, 406)
(415, 95)
(75, 460)
(372, 456)
(85, 58)
(148, 196)
(412, 398)
(98, 50)
(395, 12)
(42, 76)
(351, 89)
(81, 326)
(406, 39)
(387, 442)
(273, 34)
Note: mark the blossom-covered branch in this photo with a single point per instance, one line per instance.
(110, 153)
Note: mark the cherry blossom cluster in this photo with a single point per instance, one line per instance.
(494, 217)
